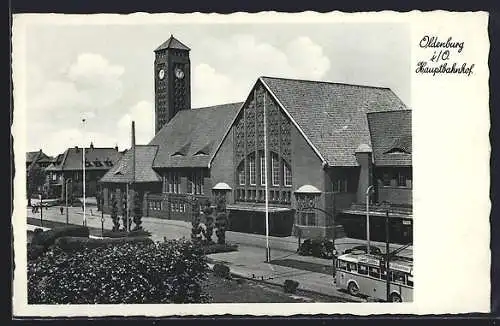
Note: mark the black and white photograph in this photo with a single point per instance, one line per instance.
(210, 161)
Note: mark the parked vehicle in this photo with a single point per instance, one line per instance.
(317, 248)
(363, 249)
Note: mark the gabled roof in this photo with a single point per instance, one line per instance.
(122, 172)
(391, 137)
(190, 134)
(332, 116)
(37, 156)
(97, 158)
(172, 43)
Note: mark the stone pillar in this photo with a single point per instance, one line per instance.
(364, 158)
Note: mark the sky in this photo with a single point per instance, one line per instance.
(104, 73)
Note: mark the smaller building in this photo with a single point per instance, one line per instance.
(39, 158)
(68, 168)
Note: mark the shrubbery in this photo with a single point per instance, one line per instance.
(122, 234)
(75, 243)
(48, 238)
(168, 272)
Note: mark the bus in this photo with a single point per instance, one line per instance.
(363, 274)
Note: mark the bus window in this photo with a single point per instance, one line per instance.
(342, 264)
(409, 280)
(398, 277)
(362, 269)
(374, 272)
(351, 267)
(383, 274)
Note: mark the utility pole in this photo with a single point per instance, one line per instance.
(387, 256)
(66, 193)
(368, 218)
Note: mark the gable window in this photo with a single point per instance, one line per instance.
(275, 169)
(287, 172)
(263, 170)
(251, 169)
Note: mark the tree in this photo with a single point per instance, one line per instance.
(209, 223)
(35, 180)
(195, 222)
(137, 211)
(114, 213)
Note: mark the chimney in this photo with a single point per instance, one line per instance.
(76, 149)
(91, 145)
(364, 158)
(116, 148)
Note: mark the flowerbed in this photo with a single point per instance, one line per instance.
(167, 272)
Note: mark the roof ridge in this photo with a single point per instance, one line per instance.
(214, 106)
(402, 109)
(325, 82)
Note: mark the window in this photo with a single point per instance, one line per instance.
(398, 277)
(409, 280)
(401, 179)
(251, 169)
(173, 182)
(76, 176)
(262, 169)
(308, 218)
(386, 179)
(288, 175)
(374, 272)
(342, 265)
(362, 269)
(199, 182)
(276, 169)
(351, 267)
(340, 185)
(241, 174)
(54, 177)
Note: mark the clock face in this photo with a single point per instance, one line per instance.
(161, 74)
(179, 73)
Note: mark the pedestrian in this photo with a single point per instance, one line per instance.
(62, 210)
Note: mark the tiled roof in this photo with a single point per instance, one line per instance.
(37, 156)
(391, 137)
(172, 43)
(122, 171)
(332, 115)
(191, 137)
(96, 158)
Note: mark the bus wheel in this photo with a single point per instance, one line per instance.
(353, 289)
(396, 298)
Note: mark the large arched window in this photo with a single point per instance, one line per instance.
(251, 178)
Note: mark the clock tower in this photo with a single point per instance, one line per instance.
(172, 81)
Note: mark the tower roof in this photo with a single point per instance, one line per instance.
(172, 43)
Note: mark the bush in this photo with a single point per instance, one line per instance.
(290, 286)
(35, 251)
(123, 234)
(48, 238)
(131, 273)
(77, 243)
(216, 248)
(222, 271)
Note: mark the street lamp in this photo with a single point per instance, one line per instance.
(83, 164)
(368, 190)
(66, 193)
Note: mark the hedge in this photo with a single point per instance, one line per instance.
(162, 272)
(48, 238)
(122, 234)
(80, 243)
(216, 248)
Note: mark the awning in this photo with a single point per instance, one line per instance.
(256, 208)
(372, 213)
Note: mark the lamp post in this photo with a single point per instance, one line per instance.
(83, 182)
(41, 209)
(368, 190)
(66, 195)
